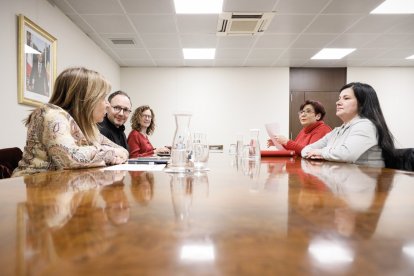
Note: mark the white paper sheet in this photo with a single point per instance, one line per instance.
(135, 167)
(272, 130)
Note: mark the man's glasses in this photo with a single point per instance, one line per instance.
(118, 109)
(306, 112)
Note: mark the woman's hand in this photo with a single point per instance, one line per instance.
(270, 143)
(118, 160)
(281, 139)
(161, 150)
(314, 154)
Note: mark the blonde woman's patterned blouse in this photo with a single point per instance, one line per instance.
(55, 142)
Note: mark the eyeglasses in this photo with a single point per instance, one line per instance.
(146, 116)
(307, 112)
(118, 109)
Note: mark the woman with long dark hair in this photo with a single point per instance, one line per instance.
(363, 138)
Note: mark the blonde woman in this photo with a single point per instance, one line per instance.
(63, 134)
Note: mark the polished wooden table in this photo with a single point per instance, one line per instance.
(282, 216)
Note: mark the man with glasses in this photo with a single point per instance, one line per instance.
(117, 114)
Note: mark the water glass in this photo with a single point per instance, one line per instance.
(200, 150)
(250, 152)
(239, 144)
(233, 149)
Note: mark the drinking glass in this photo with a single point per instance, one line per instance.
(254, 150)
(200, 150)
(233, 149)
(239, 144)
(181, 146)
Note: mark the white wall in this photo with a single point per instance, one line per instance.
(395, 89)
(74, 48)
(224, 101)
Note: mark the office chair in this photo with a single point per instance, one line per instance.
(403, 160)
(9, 158)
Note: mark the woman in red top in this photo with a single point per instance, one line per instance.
(311, 114)
(143, 124)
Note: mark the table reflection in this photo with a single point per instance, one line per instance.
(183, 189)
(276, 169)
(117, 207)
(295, 217)
(362, 194)
(142, 187)
(64, 205)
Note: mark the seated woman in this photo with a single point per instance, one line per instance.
(143, 124)
(363, 138)
(63, 134)
(311, 114)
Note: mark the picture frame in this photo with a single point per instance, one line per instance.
(36, 63)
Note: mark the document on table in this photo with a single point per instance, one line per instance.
(272, 130)
(135, 167)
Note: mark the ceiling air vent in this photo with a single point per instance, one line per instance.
(239, 24)
(122, 41)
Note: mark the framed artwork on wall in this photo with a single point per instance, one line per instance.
(36, 63)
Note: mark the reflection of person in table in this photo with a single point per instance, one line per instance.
(117, 206)
(361, 193)
(142, 187)
(39, 79)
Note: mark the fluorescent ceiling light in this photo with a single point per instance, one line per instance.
(197, 252)
(409, 250)
(333, 53)
(330, 253)
(395, 7)
(198, 6)
(199, 53)
(410, 57)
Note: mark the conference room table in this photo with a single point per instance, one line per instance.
(279, 216)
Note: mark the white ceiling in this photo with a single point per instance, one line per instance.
(299, 29)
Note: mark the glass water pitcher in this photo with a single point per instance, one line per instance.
(181, 146)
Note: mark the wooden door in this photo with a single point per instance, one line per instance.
(320, 84)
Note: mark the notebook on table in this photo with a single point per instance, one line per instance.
(277, 153)
(149, 160)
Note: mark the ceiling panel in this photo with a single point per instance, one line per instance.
(352, 6)
(292, 23)
(301, 6)
(299, 29)
(198, 40)
(195, 24)
(377, 23)
(312, 41)
(105, 23)
(275, 40)
(161, 41)
(248, 5)
(147, 6)
(332, 23)
(96, 7)
(154, 23)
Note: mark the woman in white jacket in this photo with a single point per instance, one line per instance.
(363, 138)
